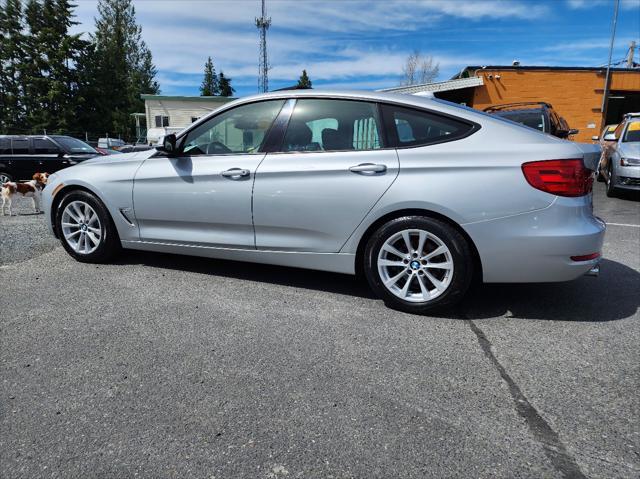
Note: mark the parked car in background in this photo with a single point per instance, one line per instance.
(21, 156)
(107, 151)
(621, 171)
(112, 143)
(538, 115)
(605, 146)
(419, 195)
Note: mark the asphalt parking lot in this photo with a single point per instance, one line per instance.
(167, 366)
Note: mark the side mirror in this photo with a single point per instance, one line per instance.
(610, 137)
(168, 144)
(573, 131)
(595, 138)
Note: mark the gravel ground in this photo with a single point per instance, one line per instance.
(169, 366)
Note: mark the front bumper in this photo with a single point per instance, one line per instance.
(537, 246)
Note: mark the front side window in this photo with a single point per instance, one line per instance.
(633, 132)
(20, 147)
(333, 125)
(43, 146)
(239, 130)
(417, 127)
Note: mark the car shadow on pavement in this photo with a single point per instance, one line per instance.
(611, 296)
(614, 295)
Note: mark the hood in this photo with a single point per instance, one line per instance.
(630, 149)
(104, 160)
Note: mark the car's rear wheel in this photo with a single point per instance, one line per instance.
(85, 228)
(611, 181)
(5, 177)
(418, 264)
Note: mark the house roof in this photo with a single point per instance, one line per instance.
(454, 84)
(212, 99)
(467, 71)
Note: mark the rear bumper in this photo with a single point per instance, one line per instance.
(537, 246)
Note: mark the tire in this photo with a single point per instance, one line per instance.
(423, 294)
(610, 182)
(5, 177)
(85, 228)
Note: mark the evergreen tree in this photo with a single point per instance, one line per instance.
(303, 82)
(224, 83)
(209, 85)
(11, 55)
(123, 67)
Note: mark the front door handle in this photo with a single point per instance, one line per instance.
(235, 173)
(368, 168)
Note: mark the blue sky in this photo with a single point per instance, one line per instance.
(364, 44)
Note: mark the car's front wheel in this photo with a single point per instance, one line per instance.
(85, 228)
(418, 264)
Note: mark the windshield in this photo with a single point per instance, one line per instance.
(633, 132)
(73, 145)
(532, 119)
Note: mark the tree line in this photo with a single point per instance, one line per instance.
(55, 81)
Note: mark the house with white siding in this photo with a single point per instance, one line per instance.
(171, 114)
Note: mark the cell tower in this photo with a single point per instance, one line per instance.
(263, 23)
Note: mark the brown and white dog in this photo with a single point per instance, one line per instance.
(29, 189)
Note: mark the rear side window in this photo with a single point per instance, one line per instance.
(43, 146)
(333, 125)
(20, 146)
(417, 128)
(532, 118)
(5, 146)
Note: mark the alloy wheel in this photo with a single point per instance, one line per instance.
(81, 227)
(4, 179)
(415, 265)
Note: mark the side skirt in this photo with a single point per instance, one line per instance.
(333, 262)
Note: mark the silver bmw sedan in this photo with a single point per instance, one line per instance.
(418, 195)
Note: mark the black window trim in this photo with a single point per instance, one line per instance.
(275, 136)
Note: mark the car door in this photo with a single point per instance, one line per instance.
(23, 162)
(202, 195)
(47, 155)
(329, 172)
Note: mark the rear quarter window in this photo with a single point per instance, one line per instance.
(20, 146)
(408, 127)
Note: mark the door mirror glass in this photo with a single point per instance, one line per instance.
(168, 144)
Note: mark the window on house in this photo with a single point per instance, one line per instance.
(162, 121)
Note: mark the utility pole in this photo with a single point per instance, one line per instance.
(263, 23)
(632, 48)
(605, 94)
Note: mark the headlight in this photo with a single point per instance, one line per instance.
(629, 161)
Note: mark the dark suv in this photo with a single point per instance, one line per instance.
(22, 156)
(538, 115)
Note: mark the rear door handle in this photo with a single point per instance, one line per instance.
(368, 168)
(235, 173)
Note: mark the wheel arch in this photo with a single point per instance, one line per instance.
(359, 260)
(59, 196)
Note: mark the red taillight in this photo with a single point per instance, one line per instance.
(586, 257)
(559, 177)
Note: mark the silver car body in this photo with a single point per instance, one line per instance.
(310, 210)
